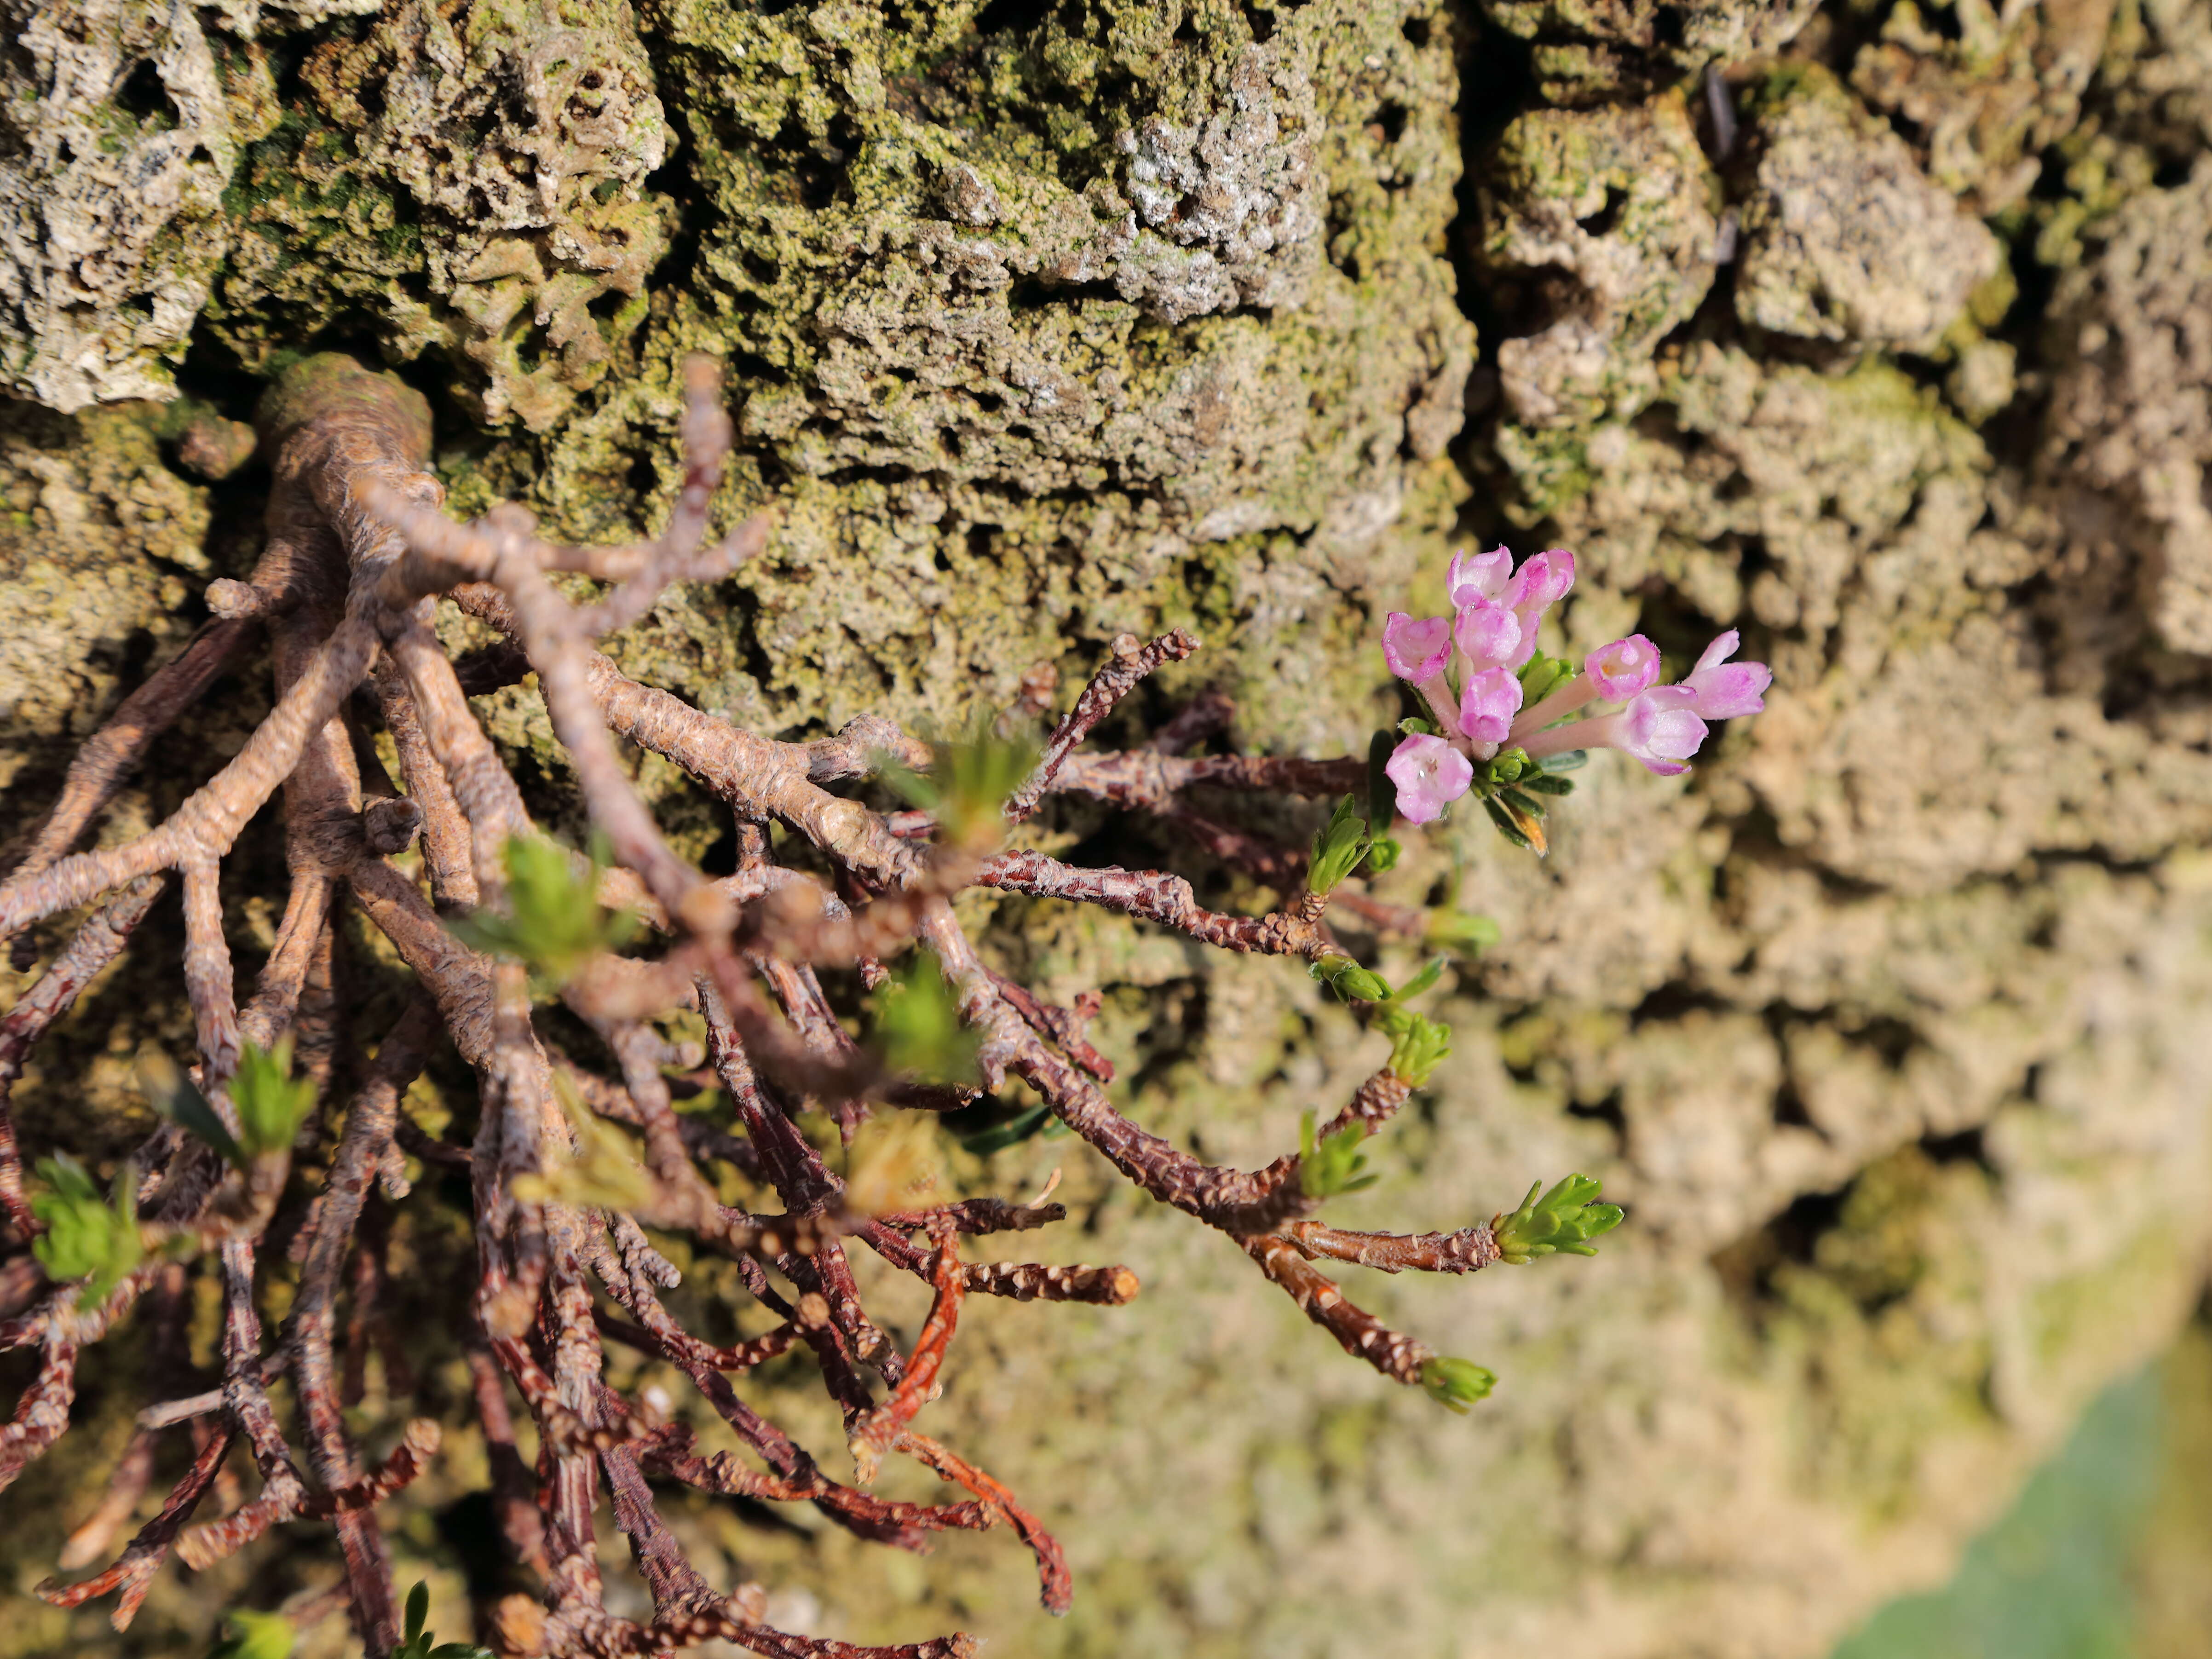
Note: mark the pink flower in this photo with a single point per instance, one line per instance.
(1542, 581)
(1487, 635)
(1416, 648)
(1535, 587)
(1727, 689)
(1479, 576)
(1624, 668)
(1487, 705)
(1659, 726)
(1430, 775)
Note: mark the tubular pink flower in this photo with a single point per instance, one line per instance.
(1624, 668)
(1659, 728)
(1535, 587)
(1487, 704)
(1430, 775)
(1416, 647)
(1479, 576)
(1488, 636)
(1542, 582)
(1725, 690)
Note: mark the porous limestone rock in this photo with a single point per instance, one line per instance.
(1586, 52)
(1605, 224)
(121, 123)
(1843, 237)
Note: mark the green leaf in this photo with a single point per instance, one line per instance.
(1338, 849)
(1506, 827)
(1350, 982)
(1011, 1133)
(173, 1094)
(554, 921)
(1418, 1045)
(1420, 981)
(418, 1609)
(1415, 727)
(1456, 1384)
(1382, 793)
(258, 1636)
(1513, 798)
(1332, 1167)
(1544, 784)
(271, 1103)
(1455, 930)
(1573, 760)
(87, 1237)
(1562, 1222)
(917, 1027)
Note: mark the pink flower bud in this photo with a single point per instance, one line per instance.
(1488, 634)
(1624, 668)
(1487, 705)
(1479, 576)
(1542, 582)
(1430, 775)
(1416, 647)
(1728, 689)
(1660, 728)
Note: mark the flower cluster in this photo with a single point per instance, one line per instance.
(1496, 703)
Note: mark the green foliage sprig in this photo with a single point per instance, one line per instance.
(555, 922)
(88, 1237)
(968, 780)
(1340, 848)
(1562, 1222)
(917, 1027)
(417, 1643)
(1332, 1166)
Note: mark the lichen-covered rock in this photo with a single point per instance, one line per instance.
(1584, 51)
(1843, 237)
(473, 178)
(1985, 90)
(2131, 415)
(1606, 222)
(121, 122)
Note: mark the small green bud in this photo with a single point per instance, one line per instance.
(1562, 1222)
(271, 1103)
(1382, 855)
(1418, 1045)
(87, 1237)
(917, 1026)
(1415, 727)
(1508, 766)
(1350, 982)
(1333, 1167)
(1338, 849)
(1456, 1384)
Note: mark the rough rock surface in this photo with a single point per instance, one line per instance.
(1048, 322)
